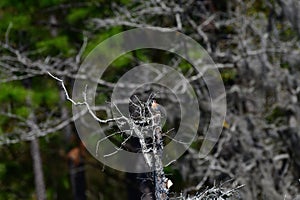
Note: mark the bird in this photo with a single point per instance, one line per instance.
(158, 109)
(155, 106)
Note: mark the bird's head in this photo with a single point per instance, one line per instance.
(154, 105)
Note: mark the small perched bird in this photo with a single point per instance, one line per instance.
(158, 109)
(155, 106)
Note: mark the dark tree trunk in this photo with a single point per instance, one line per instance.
(77, 177)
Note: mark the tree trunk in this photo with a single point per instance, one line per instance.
(160, 180)
(37, 168)
(35, 152)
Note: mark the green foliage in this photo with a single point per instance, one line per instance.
(56, 45)
(3, 120)
(12, 92)
(101, 99)
(46, 3)
(66, 183)
(184, 66)
(19, 22)
(229, 75)
(257, 7)
(44, 93)
(276, 114)
(22, 111)
(46, 97)
(125, 2)
(13, 179)
(140, 54)
(100, 38)
(285, 65)
(2, 170)
(286, 33)
(195, 55)
(196, 144)
(123, 61)
(77, 15)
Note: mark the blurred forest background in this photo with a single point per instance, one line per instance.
(254, 43)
